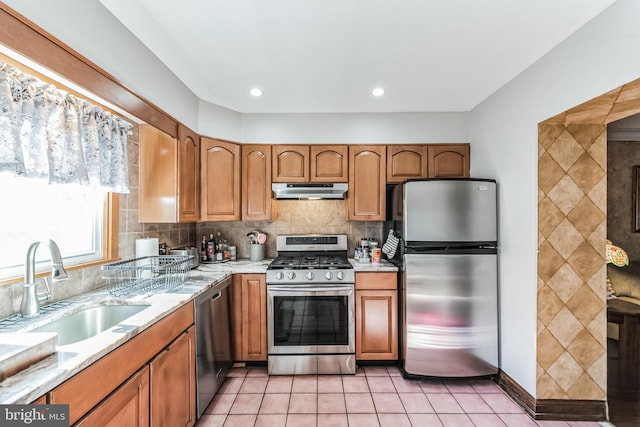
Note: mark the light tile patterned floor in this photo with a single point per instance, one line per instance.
(375, 396)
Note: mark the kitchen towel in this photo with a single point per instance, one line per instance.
(391, 245)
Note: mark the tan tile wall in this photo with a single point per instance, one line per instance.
(296, 217)
(572, 217)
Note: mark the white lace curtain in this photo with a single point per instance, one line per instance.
(47, 133)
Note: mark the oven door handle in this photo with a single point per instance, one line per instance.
(314, 288)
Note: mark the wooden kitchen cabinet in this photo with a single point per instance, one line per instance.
(367, 182)
(188, 175)
(219, 180)
(406, 162)
(88, 388)
(315, 163)
(290, 163)
(449, 160)
(169, 188)
(127, 406)
(249, 317)
(329, 163)
(376, 316)
(256, 183)
(173, 383)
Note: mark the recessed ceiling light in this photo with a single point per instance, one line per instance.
(256, 92)
(378, 91)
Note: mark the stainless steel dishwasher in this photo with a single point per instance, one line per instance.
(213, 341)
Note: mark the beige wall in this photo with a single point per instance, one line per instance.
(622, 156)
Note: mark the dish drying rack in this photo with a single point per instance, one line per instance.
(145, 274)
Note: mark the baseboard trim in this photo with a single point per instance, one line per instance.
(553, 409)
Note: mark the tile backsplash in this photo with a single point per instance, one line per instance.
(295, 217)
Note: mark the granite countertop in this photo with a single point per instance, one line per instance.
(41, 377)
(383, 266)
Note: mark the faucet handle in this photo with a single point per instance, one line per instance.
(42, 296)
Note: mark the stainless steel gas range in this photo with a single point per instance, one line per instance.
(311, 306)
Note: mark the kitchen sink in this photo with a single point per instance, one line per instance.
(89, 322)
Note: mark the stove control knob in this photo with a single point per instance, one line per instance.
(279, 275)
(340, 275)
(310, 275)
(328, 275)
(291, 275)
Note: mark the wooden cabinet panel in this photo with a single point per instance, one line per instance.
(329, 163)
(290, 163)
(256, 183)
(254, 317)
(188, 175)
(449, 161)
(173, 387)
(169, 189)
(86, 389)
(369, 280)
(367, 182)
(236, 316)
(42, 400)
(376, 325)
(158, 185)
(220, 180)
(406, 162)
(127, 406)
(376, 316)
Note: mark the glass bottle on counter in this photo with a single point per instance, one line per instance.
(219, 248)
(203, 249)
(211, 248)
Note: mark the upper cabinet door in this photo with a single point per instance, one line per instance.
(220, 180)
(406, 162)
(329, 163)
(158, 181)
(256, 183)
(449, 161)
(367, 182)
(188, 175)
(290, 163)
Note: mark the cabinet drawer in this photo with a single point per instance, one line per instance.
(388, 280)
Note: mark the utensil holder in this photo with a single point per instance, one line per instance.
(256, 252)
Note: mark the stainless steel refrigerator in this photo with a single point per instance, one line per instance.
(449, 291)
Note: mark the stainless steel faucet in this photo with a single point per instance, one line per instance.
(30, 305)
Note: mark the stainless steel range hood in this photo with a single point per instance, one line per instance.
(309, 191)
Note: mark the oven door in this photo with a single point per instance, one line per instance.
(310, 319)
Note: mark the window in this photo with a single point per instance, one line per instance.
(73, 216)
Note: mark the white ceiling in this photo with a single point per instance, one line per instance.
(311, 56)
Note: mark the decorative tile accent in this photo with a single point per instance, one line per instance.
(565, 327)
(566, 194)
(565, 239)
(565, 283)
(565, 371)
(571, 298)
(586, 217)
(585, 305)
(549, 349)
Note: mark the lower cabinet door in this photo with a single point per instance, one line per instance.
(173, 388)
(127, 406)
(376, 325)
